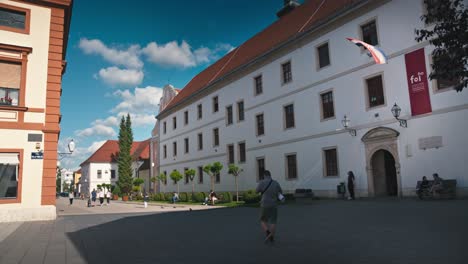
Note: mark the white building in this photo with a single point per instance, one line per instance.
(169, 92)
(33, 45)
(102, 167)
(277, 102)
(66, 178)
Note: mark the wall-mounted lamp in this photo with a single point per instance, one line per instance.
(345, 123)
(396, 110)
(71, 148)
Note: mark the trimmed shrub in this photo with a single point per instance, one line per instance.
(168, 196)
(199, 197)
(251, 197)
(227, 197)
(183, 197)
(289, 196)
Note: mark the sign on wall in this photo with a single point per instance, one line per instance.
(417, 82)
(37, 155)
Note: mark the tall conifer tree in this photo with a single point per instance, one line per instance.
(124, 157)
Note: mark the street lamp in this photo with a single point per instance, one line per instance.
(345, 123)
(396, 110)
(71, 148)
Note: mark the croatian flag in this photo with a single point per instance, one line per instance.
(377, 54)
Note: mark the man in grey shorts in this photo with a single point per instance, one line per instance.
(269, 189)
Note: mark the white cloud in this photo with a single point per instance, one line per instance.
(129, 58)
(172, 54)
(95, 146)
(115, 76)
(141, 120)
(110, 121)
(142, 100)
(96, 130)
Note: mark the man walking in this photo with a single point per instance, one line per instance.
(269, 190)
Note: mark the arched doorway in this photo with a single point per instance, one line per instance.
(384, 173)
(382, 159)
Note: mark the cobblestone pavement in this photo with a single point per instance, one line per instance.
(365, 231)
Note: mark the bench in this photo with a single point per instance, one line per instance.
(448, 191)
(303, 193)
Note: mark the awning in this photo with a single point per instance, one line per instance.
(9, 158)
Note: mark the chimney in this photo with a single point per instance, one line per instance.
(288, 6)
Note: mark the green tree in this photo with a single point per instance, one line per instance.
(176, 176)
(137, 182)
(449, 35)
(190, 173)
(58, 180)
(124, 157)
(162, 179)
(153, 180)
(213, 170)
(234, 170)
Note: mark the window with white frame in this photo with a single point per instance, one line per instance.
(375, 91)
(242, 157)
(260, 125)
(230, 153)
(229, 118)
(291, 166)
(99, 174)
(240, 111)
(323, 55)
(289, 116)
(200, 141)
(258, 85)
(328, 110)
(330, 162)
(215, 104)
(369, 33)
(286, 72)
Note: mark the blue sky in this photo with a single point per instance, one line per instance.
(121, 53)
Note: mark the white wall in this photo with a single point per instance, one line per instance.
(396, 22)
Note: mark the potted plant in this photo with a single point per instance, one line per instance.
(116, 193)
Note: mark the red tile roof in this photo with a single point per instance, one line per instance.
(287, 27)
(107, 153)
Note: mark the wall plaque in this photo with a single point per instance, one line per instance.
(430, 142)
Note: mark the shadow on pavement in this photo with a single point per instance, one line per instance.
(323, 233)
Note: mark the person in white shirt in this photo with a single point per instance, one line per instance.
(108, 196)
(101, 197)
(70, 196)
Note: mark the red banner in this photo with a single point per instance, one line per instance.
(417, 82)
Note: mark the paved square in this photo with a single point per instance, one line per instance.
(366, 231)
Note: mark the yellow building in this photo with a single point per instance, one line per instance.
(33, 44)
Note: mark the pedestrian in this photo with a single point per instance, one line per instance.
(351, 185)
(93, 196)
(270, 191)
(213, 197)
(108, 196)
(101, 197)
(71, 196)
(175, 197)
(146, 200)
(437, 184)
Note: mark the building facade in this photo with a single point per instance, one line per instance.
(169, 92)
(33, 44)
(278, 102)
(102, 166)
